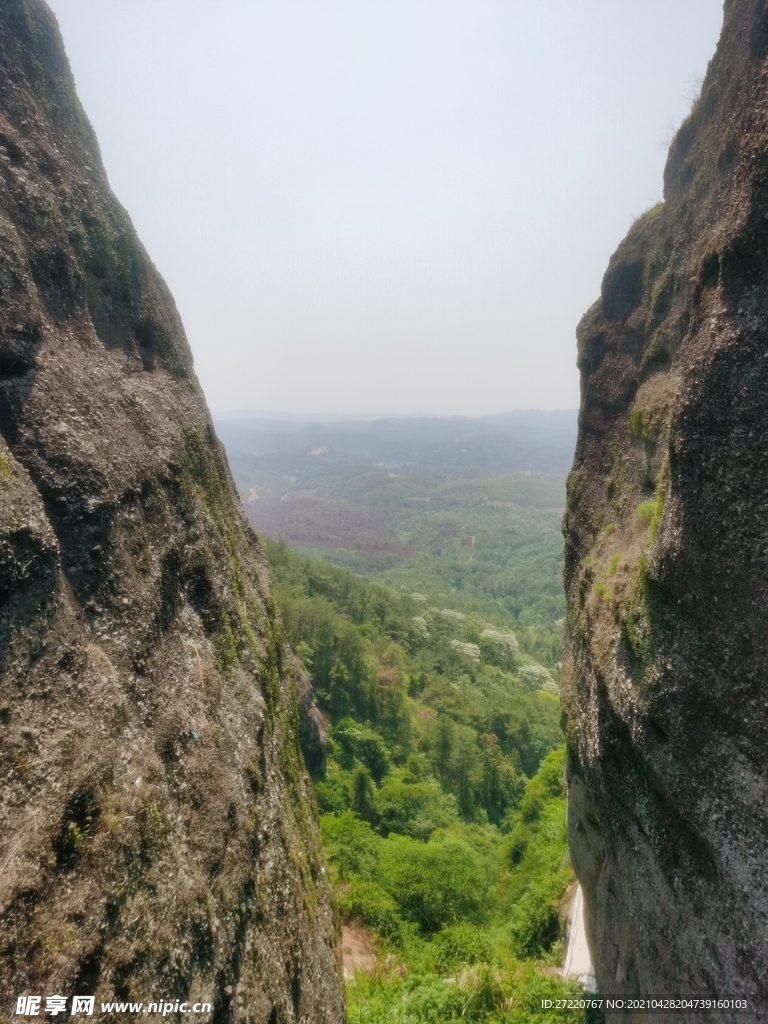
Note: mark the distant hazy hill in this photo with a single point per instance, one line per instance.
(508, 442)
(466, 507)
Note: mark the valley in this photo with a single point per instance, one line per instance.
(464, 508)
(435, 664)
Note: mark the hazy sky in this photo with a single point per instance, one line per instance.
(386, 206)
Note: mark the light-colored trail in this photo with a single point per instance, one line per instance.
(578, 962)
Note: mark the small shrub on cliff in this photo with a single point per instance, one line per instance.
(351, 845)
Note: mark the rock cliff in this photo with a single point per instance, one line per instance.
(157, 825)
(665, 683)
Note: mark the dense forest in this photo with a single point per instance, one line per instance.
(442, 805)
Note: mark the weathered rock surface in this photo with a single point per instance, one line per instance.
(157, 825)
(666, 689)
(312, 734)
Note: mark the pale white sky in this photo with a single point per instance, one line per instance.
(386, 206)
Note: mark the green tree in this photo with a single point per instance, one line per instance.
(501, 785)
(445, 735)
(464, 770)
(437, 883)
(363, 794)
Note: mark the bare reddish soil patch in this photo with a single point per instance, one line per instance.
(307, 520)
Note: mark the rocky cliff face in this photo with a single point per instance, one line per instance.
(157, 825)
(666, 689)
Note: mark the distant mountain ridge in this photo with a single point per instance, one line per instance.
(506, 442)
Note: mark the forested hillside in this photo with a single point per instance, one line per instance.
(442, 802)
